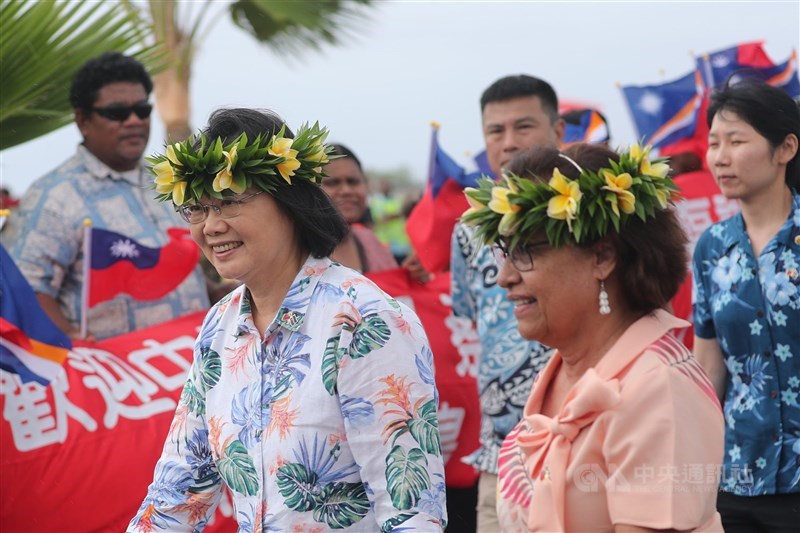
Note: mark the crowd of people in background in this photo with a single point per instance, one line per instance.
(582, 366)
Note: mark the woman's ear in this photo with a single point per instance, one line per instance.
(787, 150)
(605, 259)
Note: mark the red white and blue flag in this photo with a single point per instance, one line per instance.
(120, 265)
(717, 67)
(31, 346)
(430, 225)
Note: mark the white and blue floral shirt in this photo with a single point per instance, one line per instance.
(327, 422)
(508, 363)
(45, 239)
(752, 306)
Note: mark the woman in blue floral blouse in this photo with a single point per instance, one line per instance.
(311, 397)
(747, 304)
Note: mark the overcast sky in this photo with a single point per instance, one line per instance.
(413, 62)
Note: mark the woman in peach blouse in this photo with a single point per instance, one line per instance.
(622, 431)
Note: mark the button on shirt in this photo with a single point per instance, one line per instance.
(508, 363)
(329, 423)
(47, 238)
(752, 306)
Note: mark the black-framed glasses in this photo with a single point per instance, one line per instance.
(227, 208)
(521, 257)
(120, 113)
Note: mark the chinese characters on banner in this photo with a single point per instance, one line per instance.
(79, 454)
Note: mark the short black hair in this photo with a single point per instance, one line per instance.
(318, 224)
(346, 153)
(100, 71)
(769, 110)
(521, 85)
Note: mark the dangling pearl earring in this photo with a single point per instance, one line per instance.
(605, 308)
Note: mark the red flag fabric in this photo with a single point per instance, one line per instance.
(430, 225)
(455, 347)
(120, 265)
(702, 205)
(753, 55)
(79, 454)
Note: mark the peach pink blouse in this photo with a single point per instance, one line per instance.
(638, 441)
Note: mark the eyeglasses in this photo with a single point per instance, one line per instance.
(521, 257)
(227, 208)
(120, 113)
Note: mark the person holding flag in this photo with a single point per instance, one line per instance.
(104, 181)
(312, 394)
(518, 112)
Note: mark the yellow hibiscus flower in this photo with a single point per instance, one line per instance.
(663, 196)
(164, 177)
(619, 185)
(171, 153)
(283, 148)
(638, 152)
(474, 205)
(179, 193)
(224, 178)
(500, 205)
(657, 170)
(564, 206)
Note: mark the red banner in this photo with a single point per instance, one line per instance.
(455, 347)
(79, 454)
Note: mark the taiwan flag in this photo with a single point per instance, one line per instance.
(120, 265)
(430, 225)
(668, 112)
(31, 346)
(716, 67)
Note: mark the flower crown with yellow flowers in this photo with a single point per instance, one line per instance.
(582, 210)
(197, 167)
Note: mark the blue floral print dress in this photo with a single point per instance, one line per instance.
(752, 306)
(328, 423)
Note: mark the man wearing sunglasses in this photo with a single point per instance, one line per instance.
(105, 182)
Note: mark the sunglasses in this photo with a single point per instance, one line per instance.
(121, 113)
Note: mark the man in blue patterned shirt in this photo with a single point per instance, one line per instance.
(105, 182)
(518, 112)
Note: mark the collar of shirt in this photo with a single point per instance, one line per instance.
(100, 170)
(294, 307)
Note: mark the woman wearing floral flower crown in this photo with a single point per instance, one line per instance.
(622, 431)
(747, 304)
(311, 396)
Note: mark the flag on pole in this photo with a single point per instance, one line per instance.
(716, 67)
(431, 223)
(666, 113)
(120, 265)
(31, 346)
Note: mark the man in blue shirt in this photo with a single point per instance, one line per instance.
(518, 112)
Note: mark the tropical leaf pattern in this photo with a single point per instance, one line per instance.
(328, 419)
(406, 476)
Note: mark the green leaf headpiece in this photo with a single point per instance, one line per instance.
(199, 167)
(580, 210)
